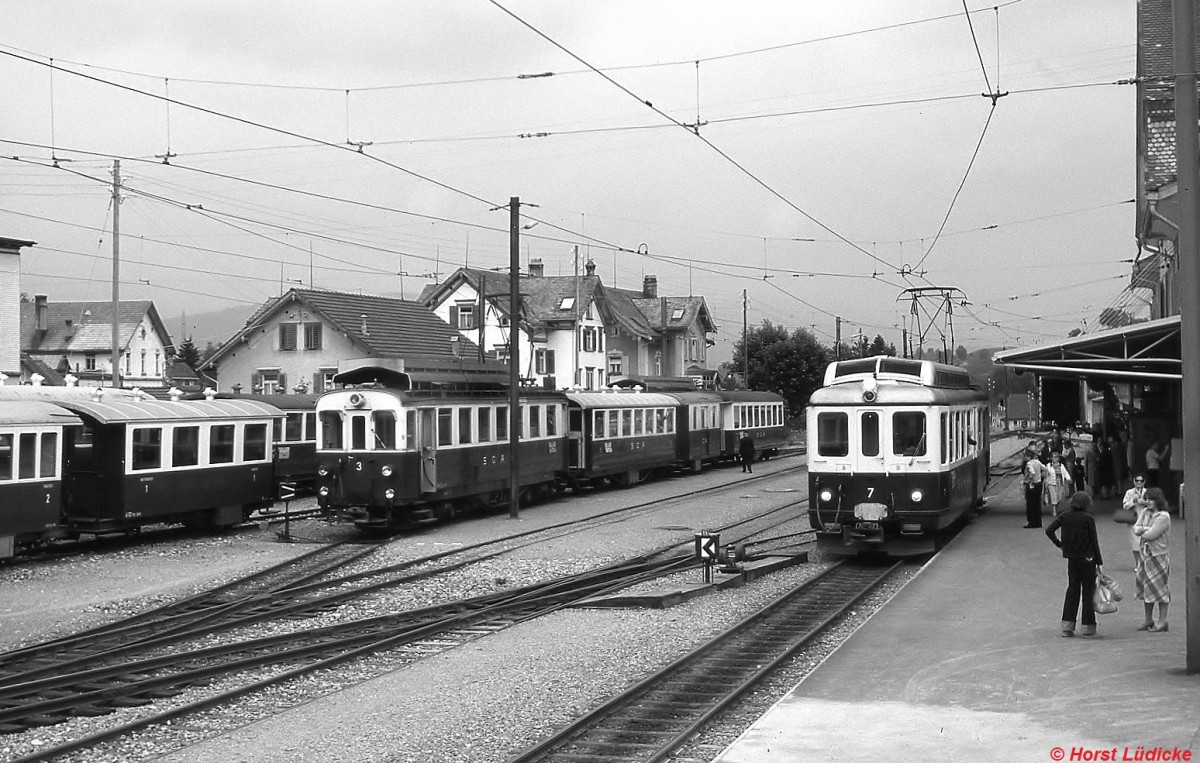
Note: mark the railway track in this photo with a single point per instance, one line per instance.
(650, 720)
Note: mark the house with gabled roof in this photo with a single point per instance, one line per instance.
(574, 331)
(77, 337)
(294, 342)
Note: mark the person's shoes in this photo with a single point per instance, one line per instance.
(1158, 628)
(1068, 628)
(1148, 625)
(1089, 631)
(1027, 527)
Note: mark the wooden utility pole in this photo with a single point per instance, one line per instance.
(116, 278)
(514, 356)
(745, 343)
(1187, 160)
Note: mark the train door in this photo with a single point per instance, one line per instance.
(575, 434)
(870, 455)
(429, 439)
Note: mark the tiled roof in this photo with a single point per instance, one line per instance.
(393, 327)
(31, 365)
(90, 327)
(693, 309)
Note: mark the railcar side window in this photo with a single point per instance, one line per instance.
(535, 421)
(310, 425)
(908, 433)
(614, 424)
(551, 420)
(6, 456)
(28, 456)
(833, 434)
(49, 454)
(384, 423)
(502, 424)
(331, 430)
(484, 420)
(277, 428)
(185, 446)
(254, 443)
(639, 422)
(294, 430)
(598, 430)
(627, 422)
(945, 441)
(464, 425)
(869, 425)
(220, 444)
(147, 448)
(445, 426)
(410, 430)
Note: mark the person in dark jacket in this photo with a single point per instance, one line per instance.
(1081, 548)
(746, 452)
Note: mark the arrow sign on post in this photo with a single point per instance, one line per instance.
(287, 491)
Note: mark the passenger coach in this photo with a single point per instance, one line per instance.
(31, 470)
(897, 455)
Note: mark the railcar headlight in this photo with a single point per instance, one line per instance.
(324, 491)
(917, 495)
(826, 495)
(389, 494)
(323, 470)
(386, 471)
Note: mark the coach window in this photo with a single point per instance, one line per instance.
(293, 431)
(464, 426)
(310, 426)
(384, 423)
(445, 426)
(833, 434)
(535, 421)
(49, 461)
(185, 446)
(626, 423)
(220, 444)
(331, 430)
(869, 424)
(502, 424)
(614, 423)
(147, 448)
(410, 430)
(27, 456)
(6, 456)
(484, 419)
(598, 430)
(551, 420)
(908, 433)
(639, 422)
(254, 443)
(945, 441)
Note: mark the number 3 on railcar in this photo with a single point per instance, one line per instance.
(897, 455)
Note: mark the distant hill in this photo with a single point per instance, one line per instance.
(216, 327)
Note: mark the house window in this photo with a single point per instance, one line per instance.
(567, 303)
(544, 361)
(143, 361)
(157, 360)
(312, 336)
(269, 382)
(589, 339)
(287, 337)
(588, 314)
(89, 362)
(616, 362)
(589, 375)
(462, 316)
(677, 313)
(502, 353)
(658, 363)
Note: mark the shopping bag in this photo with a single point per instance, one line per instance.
(1104, 602)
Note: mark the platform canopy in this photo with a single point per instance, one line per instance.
(1148, 351)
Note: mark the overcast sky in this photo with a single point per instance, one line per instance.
(849, 125)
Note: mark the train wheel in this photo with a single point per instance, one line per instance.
(445, 511)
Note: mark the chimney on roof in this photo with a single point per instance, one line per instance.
(590, 268)
(650, 287)
(39, 314)
(363, 327)
(536, 268)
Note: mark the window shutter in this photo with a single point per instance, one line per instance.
(549, 361)
(454, 316)
(255, 382)
(316, 387)
(283, 387)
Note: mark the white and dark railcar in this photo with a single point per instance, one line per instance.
(897, 455)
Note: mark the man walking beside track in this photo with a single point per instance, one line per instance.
(746, 452)
(1034, 473)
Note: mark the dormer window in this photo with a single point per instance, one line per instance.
(567, 303)
(677, 314)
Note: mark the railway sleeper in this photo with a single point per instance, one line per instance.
(133, 700)
(90, 711)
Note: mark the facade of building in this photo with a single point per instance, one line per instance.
(10, 309)
(295, 342)
(76, 338)
(573, 331)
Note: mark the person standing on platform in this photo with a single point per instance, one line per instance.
(1106, 481)
(1153, 529)
(1057, 485)
(1135, 501)
(1081, 548)
(746, 452)
(1035, 474)
(1156, 454)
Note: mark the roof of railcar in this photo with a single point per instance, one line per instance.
(749, 396)
(54, 394)
(696, 396)
(622, 399)
(887, 394)
(116, 412)
(34, 413)
(283, 402)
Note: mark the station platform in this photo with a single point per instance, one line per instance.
(967, 662)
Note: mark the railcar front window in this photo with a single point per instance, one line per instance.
(28, 457)
(6, 456)
(358, 432)
(185, 446)
(384, 423)
(331, 430)
(147, 448)
(220, 444)
(908, 433)
(254, 443)
(833, 434)
(870, 433)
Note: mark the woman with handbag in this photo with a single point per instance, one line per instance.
(1057, 484)
(1134, 501)
(1081, 548)
(1153, 530)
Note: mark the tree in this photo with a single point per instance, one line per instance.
(789, 364)
(880, 346)
(961, 355)
(189, 354)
